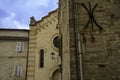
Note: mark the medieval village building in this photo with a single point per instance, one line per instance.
(13, 54)
(78, 41)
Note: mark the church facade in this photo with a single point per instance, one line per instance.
(44, 59)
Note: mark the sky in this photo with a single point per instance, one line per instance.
(15, 14)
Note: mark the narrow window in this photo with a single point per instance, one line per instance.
(20, 47)
(41, 58)
(18, 71)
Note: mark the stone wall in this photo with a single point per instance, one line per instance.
(100, 57)
(63, 22)
(100, 43)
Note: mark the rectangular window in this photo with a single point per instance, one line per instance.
(41, 58)
(18, 71)
(20, 47)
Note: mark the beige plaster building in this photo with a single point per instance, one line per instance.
(13, 54)
(44, 59)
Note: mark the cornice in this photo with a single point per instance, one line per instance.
(13, 38)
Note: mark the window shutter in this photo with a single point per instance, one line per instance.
(20, 47)
(15, 70)
(18, 71)
(17, 46)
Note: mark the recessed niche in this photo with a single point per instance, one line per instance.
(101, 65)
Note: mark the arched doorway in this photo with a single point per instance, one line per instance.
(56, 75)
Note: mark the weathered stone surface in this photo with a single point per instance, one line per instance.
(101, 57)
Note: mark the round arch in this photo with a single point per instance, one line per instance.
(55, 74)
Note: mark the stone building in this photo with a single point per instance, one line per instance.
(90, 36)
(13, 54)
(81, 39)
(43, 61)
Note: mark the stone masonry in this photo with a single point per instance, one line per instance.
(100, 39)
(42, 34)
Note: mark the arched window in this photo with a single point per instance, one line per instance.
(41, 58)
(56, 41)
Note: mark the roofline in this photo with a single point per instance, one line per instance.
(14, 29)
(47, 15)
